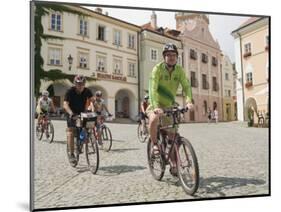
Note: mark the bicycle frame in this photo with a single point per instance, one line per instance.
(162, 132)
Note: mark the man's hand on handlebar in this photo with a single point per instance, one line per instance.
(158, 111)
(189, 105)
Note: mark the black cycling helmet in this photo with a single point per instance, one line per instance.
(169, 47)
(146, 97)
(79, 79)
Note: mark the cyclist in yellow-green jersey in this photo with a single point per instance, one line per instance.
(163, 84)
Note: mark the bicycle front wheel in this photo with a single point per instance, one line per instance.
(73, 162)
(141, 136)
(187, 166)
(106, 139)
(50, 132)
(156, 163)
(92, 154)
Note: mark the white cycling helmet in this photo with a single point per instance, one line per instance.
(45, 93)
(98, 93)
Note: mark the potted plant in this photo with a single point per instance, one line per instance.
(248, 84)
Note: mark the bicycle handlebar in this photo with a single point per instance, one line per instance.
(175, 110)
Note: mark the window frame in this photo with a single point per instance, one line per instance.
(51, 48)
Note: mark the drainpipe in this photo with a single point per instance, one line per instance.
(242, 76)
(138, 56)
(222, 97)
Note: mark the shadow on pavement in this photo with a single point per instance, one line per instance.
(123, 150)
(218, 184)
(116, 170)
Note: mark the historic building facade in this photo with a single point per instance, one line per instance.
(104, 49)
(202, 59)
(229, 94)
(152, 41)
(252, 64)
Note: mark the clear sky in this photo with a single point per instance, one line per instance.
(220, 25)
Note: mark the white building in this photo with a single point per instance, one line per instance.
(102, 48)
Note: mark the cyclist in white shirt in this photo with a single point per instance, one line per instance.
(45, 104)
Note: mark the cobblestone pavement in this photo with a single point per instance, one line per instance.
(233, 161)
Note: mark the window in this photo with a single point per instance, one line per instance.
(101, 63)
(229, 93)
(215, 84)
(193, 54)
(131, 41)
(249, 77)
(101, 33)
(55, 56)
(214, 61)
(204, 81)
(214, 106)
(205, 107)
(153, 54)
(83, 60)
(83, 27)
(204, 58)
(203, 32)
(132, 72)
(117, 37)
(247, 48)
(56, 21)
(226, 76)
(179, 60)
(193, 79)
(117, 66)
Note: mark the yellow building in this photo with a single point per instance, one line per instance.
(229, 94)
(252, 63)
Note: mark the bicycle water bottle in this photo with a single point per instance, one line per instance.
(168, 147)
(82, 136)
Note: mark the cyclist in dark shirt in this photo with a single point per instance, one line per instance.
(76, 100)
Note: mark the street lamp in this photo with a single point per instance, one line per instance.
(70, 60)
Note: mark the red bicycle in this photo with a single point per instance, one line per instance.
(105, 141)
(45, 126)
(178, 149)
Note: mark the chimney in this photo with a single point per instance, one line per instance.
(154, 20)
(98, 10)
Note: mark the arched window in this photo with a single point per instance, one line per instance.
(205, 107)
(214, 105)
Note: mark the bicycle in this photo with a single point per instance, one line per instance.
(180, 149)
(45, 126)
(84, 137)
(106, 136)
(142, 134)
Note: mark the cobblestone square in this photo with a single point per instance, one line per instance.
(233, 161)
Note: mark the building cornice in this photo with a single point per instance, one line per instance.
(97, 44)
(105, 18)
(250, 27)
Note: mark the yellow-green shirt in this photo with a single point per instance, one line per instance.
(163, 86)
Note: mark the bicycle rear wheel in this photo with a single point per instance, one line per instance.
(50, 132)
(187, 166)
(92, 154)
(156, 163)
(39, 132)
(106, 139)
